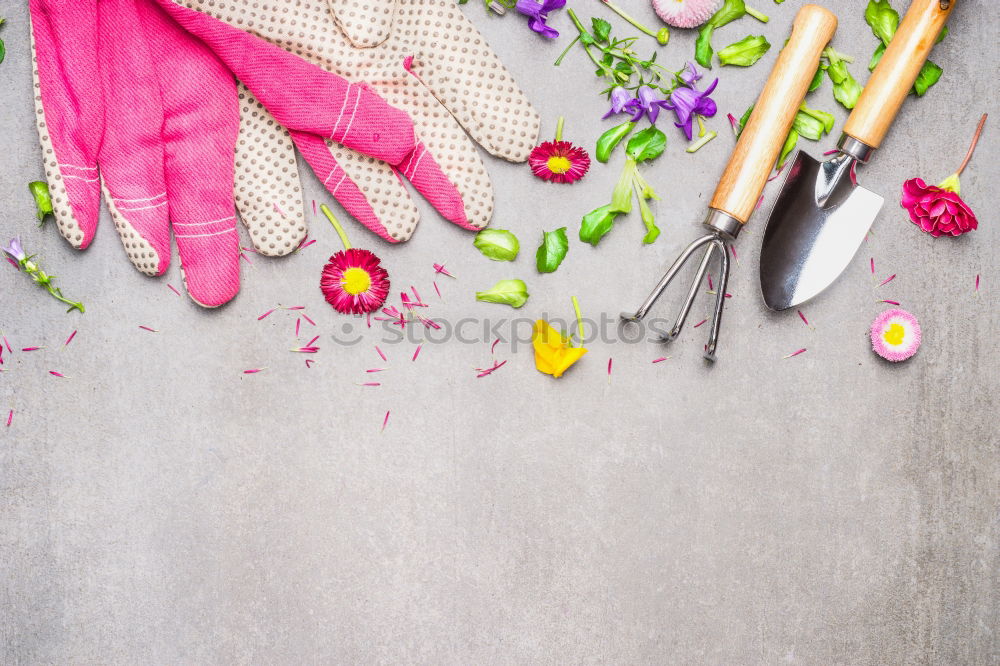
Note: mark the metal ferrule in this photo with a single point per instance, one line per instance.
(859, 150)
(723, 223)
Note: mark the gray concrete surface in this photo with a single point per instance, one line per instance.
(159, 506)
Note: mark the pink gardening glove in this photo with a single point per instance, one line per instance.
(128, 97)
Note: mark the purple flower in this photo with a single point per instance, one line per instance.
(538, 13)
(690, 75)
(689, 102)
(620, 99)
(645, 102)
(14, 250)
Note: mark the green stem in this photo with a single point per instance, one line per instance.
(621, 12)
(336, 225)
(763, 18)
(579, 319)
(697, 145)
(566, 50)
(583, 31)
(72, 304)
(559, 127)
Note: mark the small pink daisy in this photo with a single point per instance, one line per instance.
(559, 161)
(895, 335)
(353, 280)
(686, 13)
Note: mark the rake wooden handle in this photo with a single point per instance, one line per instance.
(772, 117)
(893, 78)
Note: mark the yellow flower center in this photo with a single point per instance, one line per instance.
(356, 281)
(894, 336)
(559, 164)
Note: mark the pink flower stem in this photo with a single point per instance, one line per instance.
(972, 147)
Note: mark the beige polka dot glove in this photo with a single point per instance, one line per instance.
(422, 56)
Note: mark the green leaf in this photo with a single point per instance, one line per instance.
(817, 79)
(602, 29)
(497, 244)
(43, 200)
(597, 223)
(552, 250)
(607, 142)
(808, 126)
(621, 199)
(730, 11)
(790, 141)
(846, 89)
(652, 231)
(745, 117)
(506, 292)
(745, 52)
(826, 118)
(876, 57)
(883, 19)
(647, 144)
(928, 76)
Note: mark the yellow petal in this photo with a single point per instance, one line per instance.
(567, 358)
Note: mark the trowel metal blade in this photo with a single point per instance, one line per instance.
(806, 245)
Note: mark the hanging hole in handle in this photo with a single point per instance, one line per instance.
(945, 4)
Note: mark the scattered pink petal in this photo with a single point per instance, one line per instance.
(306, 317)
(777, 173)
(304, 350)
(7, 342)
(734, 123)
(417, 296)
(661, 359)
(147, 328)
(253, 371)
(245, 258)
(803, 318)
(371, 384)
(298, 325)
(381, 353)
(266, 314)
(872, 261)
(830, 152)
(306, 242)
(494, 346)
(57, 374)
(310, 343)
(700, 323)
(295, 307)
(10, 417)
(278, 210)
(371, 370)
(70, 338)
(368, 318)
(760, 202)
(437, 290)
(610, 362)
(890, 302)
(309, 362)
(13, 263)
(173, 289)
(385, 421)
(887, 280)
(977, 282)
(428, 323)
(732, 248)
(710, 285)
(483, 372)
(416, 353)
(795, 353)
(439, 268)
(314, 206)
(31, 349)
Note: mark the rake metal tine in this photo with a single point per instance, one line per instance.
(692, 292)
(666, 279)
(720, 301)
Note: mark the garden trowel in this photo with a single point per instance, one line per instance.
(821, 215)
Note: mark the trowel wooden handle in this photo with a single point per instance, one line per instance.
(772, 117)
(893, 78)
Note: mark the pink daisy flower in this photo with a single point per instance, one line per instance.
(559, 161)
(895, 335)
(686, 13)
(353, 280)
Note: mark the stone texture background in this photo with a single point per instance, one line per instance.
(161, 507)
